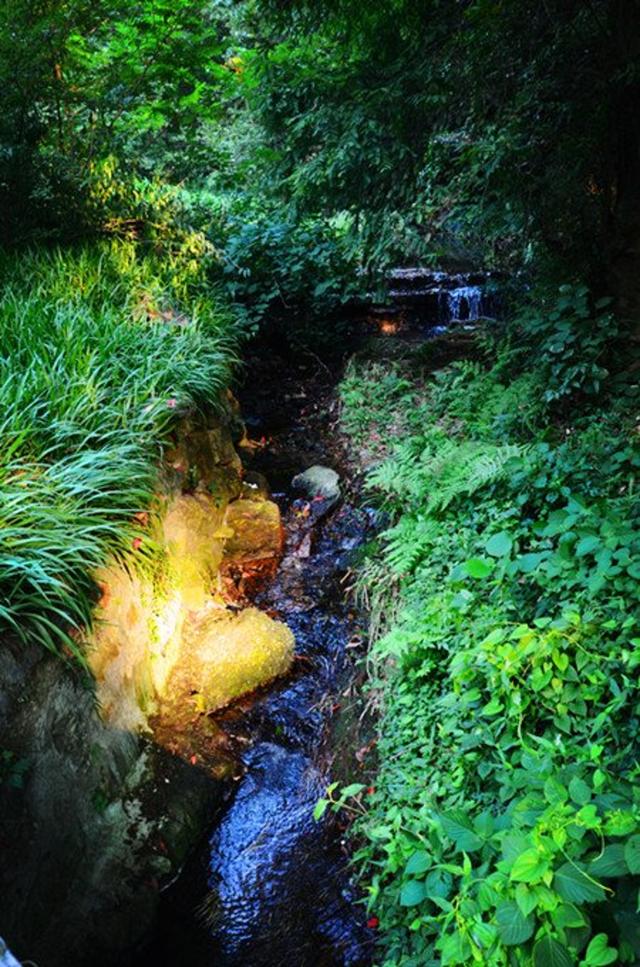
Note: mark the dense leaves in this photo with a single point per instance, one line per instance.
(505, 824)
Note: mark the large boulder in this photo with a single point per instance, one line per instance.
(225, 654)
(255, 529)
(205, 546)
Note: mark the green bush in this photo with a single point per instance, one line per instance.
(276, 266)
(505, 825)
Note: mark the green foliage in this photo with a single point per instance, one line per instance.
(99, 351)
(506, 819)
(276, 266)
(572, 341)
(500, 130)
(83, 80)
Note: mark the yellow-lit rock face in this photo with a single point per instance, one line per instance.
(164, 635)
(257, 531)
(225, 655)
(194, 538)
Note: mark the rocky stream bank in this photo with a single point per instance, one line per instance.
(167, 815)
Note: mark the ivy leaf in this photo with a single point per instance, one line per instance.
(549, 953)
(575, 886)
(513, 927)
(632, 854)
(599, 953)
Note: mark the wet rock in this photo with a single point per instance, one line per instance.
(255, 486)
(87, 831)
(224, 655)
(255, 531)
(138, 635)
(318, 481)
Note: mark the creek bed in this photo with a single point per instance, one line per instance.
(271, 886)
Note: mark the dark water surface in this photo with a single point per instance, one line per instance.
(271, 885)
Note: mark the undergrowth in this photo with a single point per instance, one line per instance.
(504, 827)
(100, 350)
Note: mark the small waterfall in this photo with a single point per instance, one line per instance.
(428, 298)
(464, 304)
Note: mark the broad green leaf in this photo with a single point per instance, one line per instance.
(554, 791)
(632, 854)
(574, 885)
(529, 867)
(499, 545)
(513, 926)
(438, 884)
(484, 934)
(549, 953)
(527, 563)
(579, 791)
(479, 567)
(412, 893)
(599, 953)
(459, 828)
(586, 545)
(526, 899)
(420, 862)
(454, 949)
(611, 862)
(567, 916)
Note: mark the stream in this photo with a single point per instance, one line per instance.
(271, 885)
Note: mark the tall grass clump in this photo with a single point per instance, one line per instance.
(100, 350)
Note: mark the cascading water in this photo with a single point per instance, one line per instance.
(429, 299)
(463, 304)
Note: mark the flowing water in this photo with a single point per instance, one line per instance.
(272, 885)
(431, 298)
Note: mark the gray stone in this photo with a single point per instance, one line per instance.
(318, 482)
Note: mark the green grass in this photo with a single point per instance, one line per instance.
(100, 351)
(505, 824)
